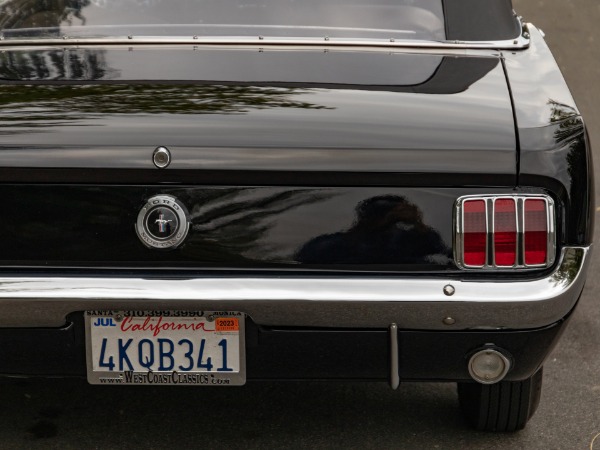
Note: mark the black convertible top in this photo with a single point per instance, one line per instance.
(480, 20)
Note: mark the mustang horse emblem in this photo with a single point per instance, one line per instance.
(162, 223)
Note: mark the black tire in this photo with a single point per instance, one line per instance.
(504, 406)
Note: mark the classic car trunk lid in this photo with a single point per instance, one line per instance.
(219, 109)
(285, 159)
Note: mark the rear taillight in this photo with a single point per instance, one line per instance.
(475, 233)
(505, 232)
(536, 232)
(500, 232)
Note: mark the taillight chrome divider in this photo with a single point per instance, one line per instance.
(490, 247)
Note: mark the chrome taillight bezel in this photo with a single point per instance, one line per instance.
(490, 200)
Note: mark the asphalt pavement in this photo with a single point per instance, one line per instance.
(70, 414)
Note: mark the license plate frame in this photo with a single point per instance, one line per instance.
(105, 333)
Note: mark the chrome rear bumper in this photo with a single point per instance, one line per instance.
(364, 302)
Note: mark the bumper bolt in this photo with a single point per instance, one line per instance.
(449, 290)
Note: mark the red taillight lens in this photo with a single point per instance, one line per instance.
(505, 232)
(475, 232)
(536, 232)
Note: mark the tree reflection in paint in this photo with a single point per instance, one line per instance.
(231, 224)
(44, 106)
(569, 132)
(52, 65)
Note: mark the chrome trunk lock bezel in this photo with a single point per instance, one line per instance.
(161, 157)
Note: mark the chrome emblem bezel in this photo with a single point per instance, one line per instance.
(180, 214)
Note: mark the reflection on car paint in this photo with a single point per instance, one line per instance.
(387, 230)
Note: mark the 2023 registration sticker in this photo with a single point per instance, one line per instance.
(165, 347)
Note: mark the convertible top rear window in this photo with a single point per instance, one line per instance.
(379, 19)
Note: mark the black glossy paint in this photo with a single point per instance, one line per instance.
(247, 66)
(373, 229)
(232, 227)
(456, 110)
(554, 149)
(319, 140)
(557, 157)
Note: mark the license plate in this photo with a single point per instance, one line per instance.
(165, 347)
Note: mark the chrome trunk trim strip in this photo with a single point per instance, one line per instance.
(519, 42)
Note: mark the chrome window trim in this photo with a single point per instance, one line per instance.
(490, 258)
(370, 302)
(520, 42)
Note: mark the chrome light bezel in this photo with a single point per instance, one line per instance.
(490, 200)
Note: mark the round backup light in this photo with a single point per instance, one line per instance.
(488, 366)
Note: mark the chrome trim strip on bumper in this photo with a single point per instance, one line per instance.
(365, 302)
